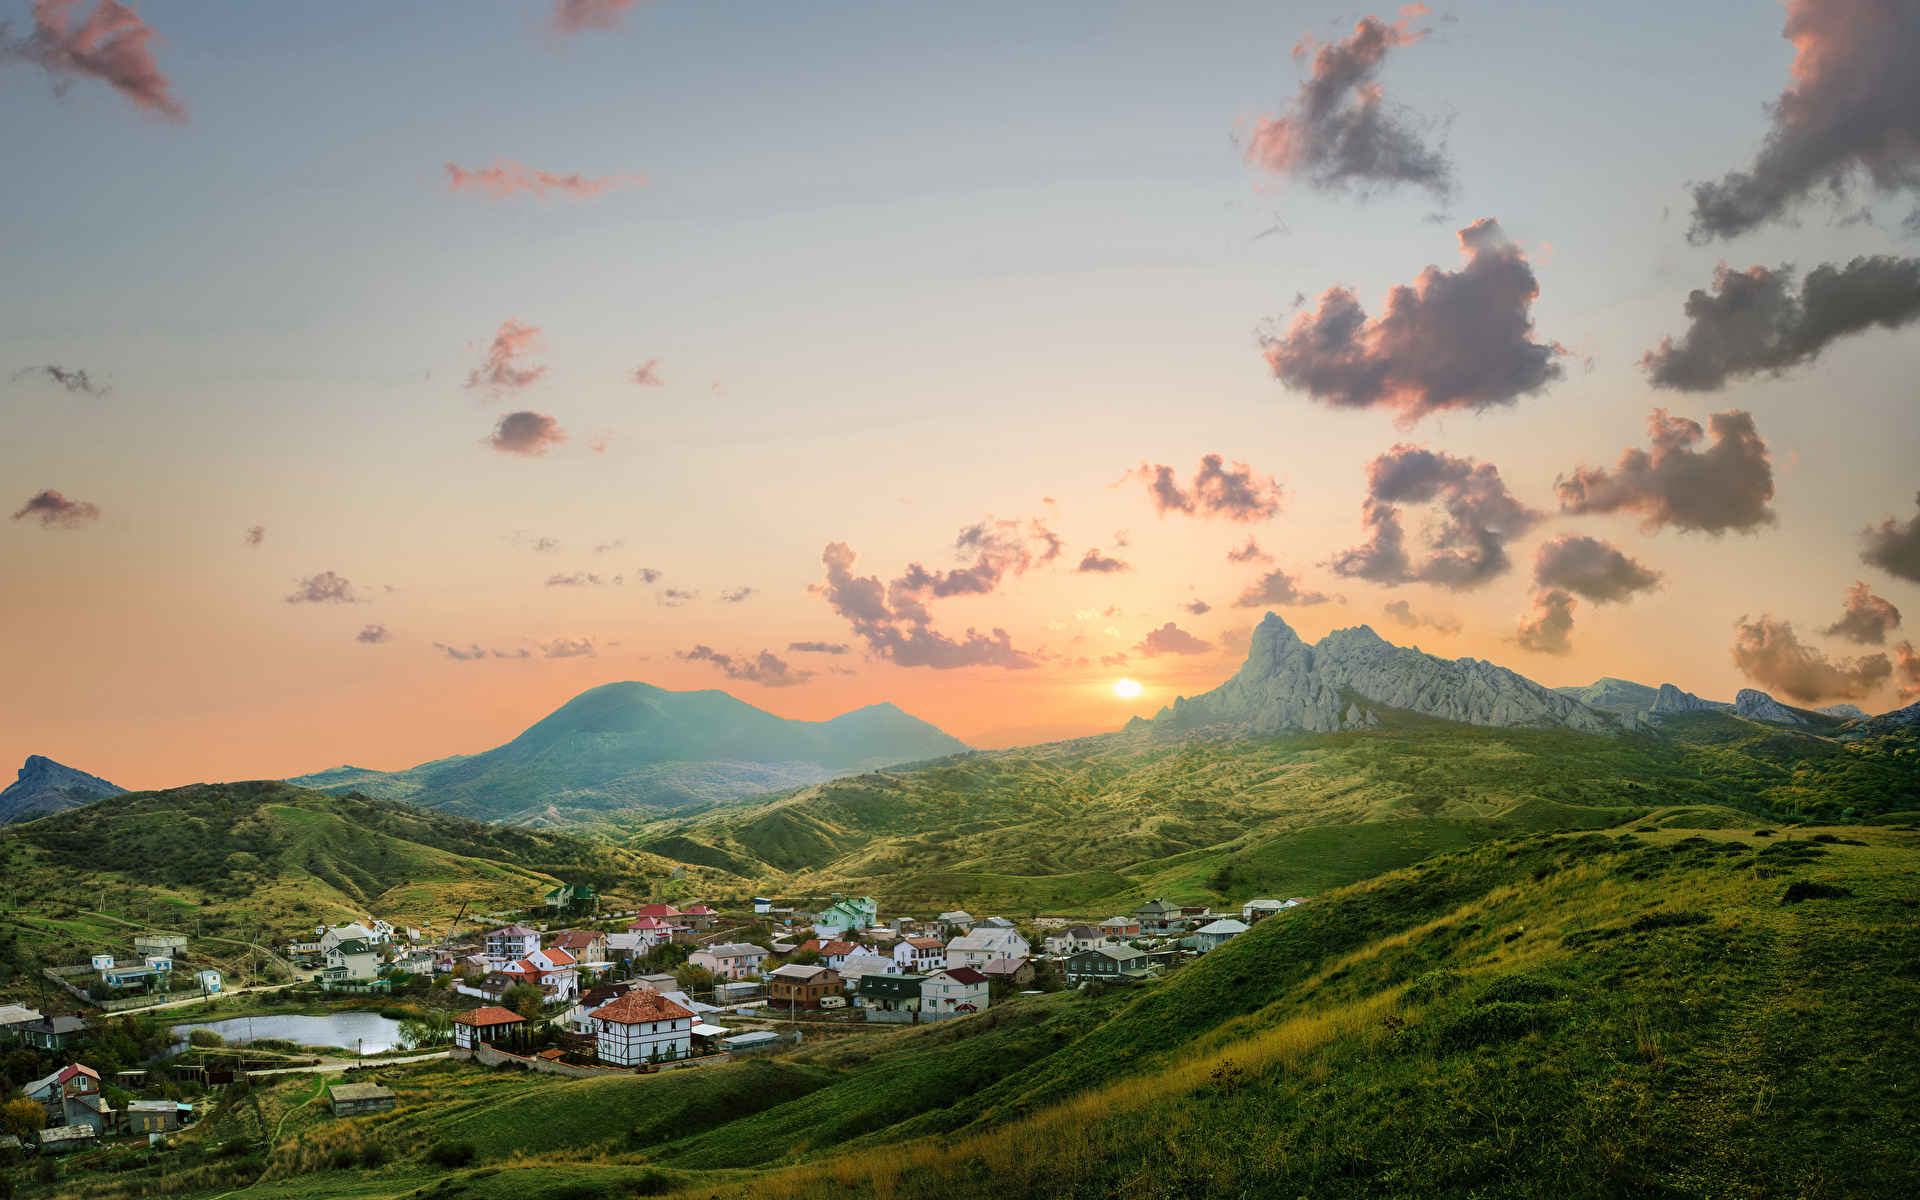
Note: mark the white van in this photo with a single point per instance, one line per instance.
(833, 1002)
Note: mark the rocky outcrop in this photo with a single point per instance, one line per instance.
(1613, 695)
(45, 786)
(1885, 723)
(1756, 705)
(1286, 685)
(1672, 700)
(1846, 712)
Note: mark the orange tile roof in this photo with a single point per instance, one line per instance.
(487, 1015)
(638, 1006)
(559, 957)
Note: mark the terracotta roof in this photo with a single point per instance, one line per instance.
(659, 910)
(648, 923)
(558, 957)
(487, 1015)
(698, 910)
(517, 931)
(963, 975)
(572, 938)
(635, 1007)
(927, 943)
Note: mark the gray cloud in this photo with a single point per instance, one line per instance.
(1726, 486)
(1894, 547)
(1550, 629)
(1171, 639)
(1591, 568)
(538, 543)
(254, 535)
(1403, 614)
(1771, 654)
(529, 434)
(736, 595)
(894, 618)
(1338, 133)
(1469, 548)
(1907, 672)
(52, 509)
(324, 588)
(1096, 563)
(373, 635)
(648, 574)
(1453, 340)
(1219, 489)
(475, 653)
(1866, 619)
(673, 597)
(615, 544)
(1197, 607)
(763, 668)
(580, 579)
(1277, 587)
(567, 648)
(75, 381)
(1251, 552)
(1851, 115)
(820, 647)
(1754, 324)
(111, 44)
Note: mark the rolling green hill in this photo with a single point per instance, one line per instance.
(623, 747)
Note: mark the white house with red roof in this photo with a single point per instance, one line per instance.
(640, 1027)
(72, 1096)
(484, 1024)
(661, 912)
(918, 955)
(589, 945)
(834, 954)
(954, 992)
(653, 931)
(557, 967)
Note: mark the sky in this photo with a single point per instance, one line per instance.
(376, 378)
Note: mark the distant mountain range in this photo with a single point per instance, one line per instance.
(45, 786)
(633, 747)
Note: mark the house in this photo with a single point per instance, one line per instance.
(796, 986)
(360, 1099)
(1157, 916)
(639, 1027)
(762, 905)
(1217, 934)
(71, 1096)
(513, 941)
(954, 992)
(891, 997)
(698, 917)
(14, 1020)
(831, 953)
(1108, 963)
(1259, 910)
(1074, 940)
(858, 966)
(352, 959)
(1193, 915)
(52, 1033)
(585, 945)
(983, 945)
(484, 1024)
(653, 931)
(920, 953)
(1017, 971)
(153, 1116)
(1118, 928)
(352, 931)
(996, 923)
(151, 973)
(572, 899)
(661, 982)
(65, 1139)
(554, 966)
(958, 919)
(729, 960)
(847, 916)
(623, 946)
(659, 912)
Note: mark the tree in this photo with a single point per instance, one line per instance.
(23, 1116)
(806, 956)
(523, 998)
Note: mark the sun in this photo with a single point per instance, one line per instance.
(1126, 689)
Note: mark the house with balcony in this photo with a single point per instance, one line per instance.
(71, 1096)
(640, 1027)
(729, 960)
(983, 945)
(350, 960)
(509, 943)
(847, 915)
(891, 998)
(920, 954)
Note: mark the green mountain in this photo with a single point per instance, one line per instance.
(635, 748)
(1613, 695)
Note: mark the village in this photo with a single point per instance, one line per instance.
(136, 1052)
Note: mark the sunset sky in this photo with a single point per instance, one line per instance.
(444, 360)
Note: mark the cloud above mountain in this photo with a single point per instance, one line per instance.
(1595, 570)
(505, 179)
(895, 619)
(1894, 546)
(1753, 323)
(1723, 487)
(1850, 117)
(1402, 614)
(1171, 639)
(1549, 630)
(1866, 619)
(1278, 588)
(55, 511)
(1218, 489)
(110, 43)
(1770, 653)
(764, 668)
(1339, 133)
(1451, 341)
(1467, 550)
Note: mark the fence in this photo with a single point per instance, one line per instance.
(487, 1056)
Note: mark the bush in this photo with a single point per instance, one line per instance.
(205, 1037)
(452, 1154)
(1433, 985)
(1520, 989)
(373, 1154)
(1487, 1024)
(343, 1160)
(1801, 889)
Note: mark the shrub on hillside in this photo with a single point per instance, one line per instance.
(452, 1154)
(1488, 1024)
(1433, 985)
(1803, 889)
(1520, 989)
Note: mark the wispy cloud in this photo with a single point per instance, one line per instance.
(1894, 546)
(1218, 489)
(111, 43)
(820, 647)
(1096, 563)
(506, 179)
(673, 597)
(324, 588)
(764, 668)
(255, 535)
(1402, 614)
(374, 635)
(648, 375)
(736, 595)
(1866, 618)
(1171, 639)
(567, 648)
(580, 16)
(1251, 552)
(500, 372)
(52, 509)
(472, 653)
(75, 381)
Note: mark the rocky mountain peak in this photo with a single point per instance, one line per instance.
(1846, 712)
(1672, 700)
(44, 786)
(1756, 705)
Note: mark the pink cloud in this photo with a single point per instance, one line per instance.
(601, 16)
(506, 179)
(51, 508)
(511, 342)
(529, 433)
(111, 44)
(647, 376)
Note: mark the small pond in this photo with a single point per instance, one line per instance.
(370, 1032)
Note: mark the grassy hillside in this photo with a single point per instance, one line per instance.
(1587, 1014)
(1079, 825)
(247, 857)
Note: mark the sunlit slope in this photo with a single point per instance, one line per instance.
(1120, 816)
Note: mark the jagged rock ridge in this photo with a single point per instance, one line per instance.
(1672, 700)
(45, 786)
(1286, 685)
(1756, 705)
(1613, 695)
(1846, 712)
